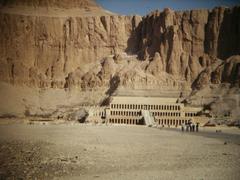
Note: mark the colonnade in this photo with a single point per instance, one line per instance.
(138, 113)
(145, 106)
(170, 122)
(191, 114)
(124, 121)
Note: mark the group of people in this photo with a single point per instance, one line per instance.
(191, 127)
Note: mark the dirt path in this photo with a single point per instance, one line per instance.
(113, 152)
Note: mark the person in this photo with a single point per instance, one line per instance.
(197, 127)
(182, 127)
(190, 125)
(187, 127)
(193, 127)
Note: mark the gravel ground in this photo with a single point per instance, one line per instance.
(116, 152)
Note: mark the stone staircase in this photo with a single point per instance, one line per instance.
(148, 118)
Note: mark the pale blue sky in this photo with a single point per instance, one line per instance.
(142, 7)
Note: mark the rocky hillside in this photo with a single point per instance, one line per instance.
(51, 3)
(76, 44)
(41, 51)
(190, 42)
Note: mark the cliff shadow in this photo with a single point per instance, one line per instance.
(134, 41)
(113, 85)
(229, 34)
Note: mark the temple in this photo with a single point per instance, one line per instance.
(165, 111)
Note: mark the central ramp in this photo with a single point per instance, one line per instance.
(148, 118)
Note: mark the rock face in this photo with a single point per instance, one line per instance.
(68, 44)
(51, 3)
(50, 51)
(228, 72)
(42, 51)
(183, 39)
(222, 72)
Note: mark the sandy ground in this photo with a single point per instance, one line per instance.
(116, 152)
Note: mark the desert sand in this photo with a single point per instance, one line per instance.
(80, 151)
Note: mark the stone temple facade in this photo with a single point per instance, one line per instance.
(165, 111)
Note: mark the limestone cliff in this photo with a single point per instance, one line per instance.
(45, 50)
(65, 44)
(41, 51)
(189, 41)
(51, 3)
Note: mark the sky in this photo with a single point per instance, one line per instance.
(142, 7)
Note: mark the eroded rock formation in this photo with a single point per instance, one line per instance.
(42, 51)
(77, 44)
(49, 51)
(188, 41)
